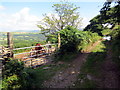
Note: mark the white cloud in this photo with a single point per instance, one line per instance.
(85, 22)
(21, 20)
(2, 7)
(52, 0)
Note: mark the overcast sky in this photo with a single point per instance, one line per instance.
(21, 15)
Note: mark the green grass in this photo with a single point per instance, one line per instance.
(99, 48)
(93, 63)
(91, 66)
(68, 57)
(95, 59)
(28, 77)
(116, 51)
(39, 75)
(0, 83)
(85, 84)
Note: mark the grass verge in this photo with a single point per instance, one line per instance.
(67, 57)
(91, 67)
(39, 75)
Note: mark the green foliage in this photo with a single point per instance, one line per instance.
(91, 67)
(52, 38)
(69, 44)
(69, 39)
(39, 75)
(13, 74)
(99, 48)
(106, 31)
(111, 14)
(93, 63)
(17, 69)
(115, 33)
(67, 57)
(115, 45)
(86, 84)
(108, 16)
(66, 14)
(23, 39)
(73, 41)
(95, 25)
(116, 27)
(27, 39)
(11, 82)
(87, 39)
(95, 59)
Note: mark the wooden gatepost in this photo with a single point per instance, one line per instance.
(6, 52)
(10, 44)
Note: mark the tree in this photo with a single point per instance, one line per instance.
(65, 14)
(95, 25)
(108, 16)
(69, 40)
(108, 12)
(74, 40)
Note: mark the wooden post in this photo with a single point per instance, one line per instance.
(10, 43)
(49, 47)
(31, 63)
(10, 40)
(59, 40)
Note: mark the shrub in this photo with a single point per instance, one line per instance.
(73, 41)
(87, 38)
(14, 75)
(69, 39)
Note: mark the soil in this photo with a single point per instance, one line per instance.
(68, 77)
(110, 73)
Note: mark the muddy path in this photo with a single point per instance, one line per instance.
(110, 72)
(67, 77)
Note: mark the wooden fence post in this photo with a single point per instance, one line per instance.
(49, 48)
(59, 40)
(10, 43)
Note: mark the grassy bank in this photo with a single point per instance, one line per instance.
(91, 67)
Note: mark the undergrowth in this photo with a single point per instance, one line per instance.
(15, 76)
(40, 74)
(91, 67)
(67, 57)
(94, 60)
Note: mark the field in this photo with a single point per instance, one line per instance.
(23, 39)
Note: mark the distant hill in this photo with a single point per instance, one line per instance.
(27, 31)
(23, 39)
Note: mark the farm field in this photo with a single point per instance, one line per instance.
(23, 39)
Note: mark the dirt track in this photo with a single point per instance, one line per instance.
(110, 72)
(66, 78)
